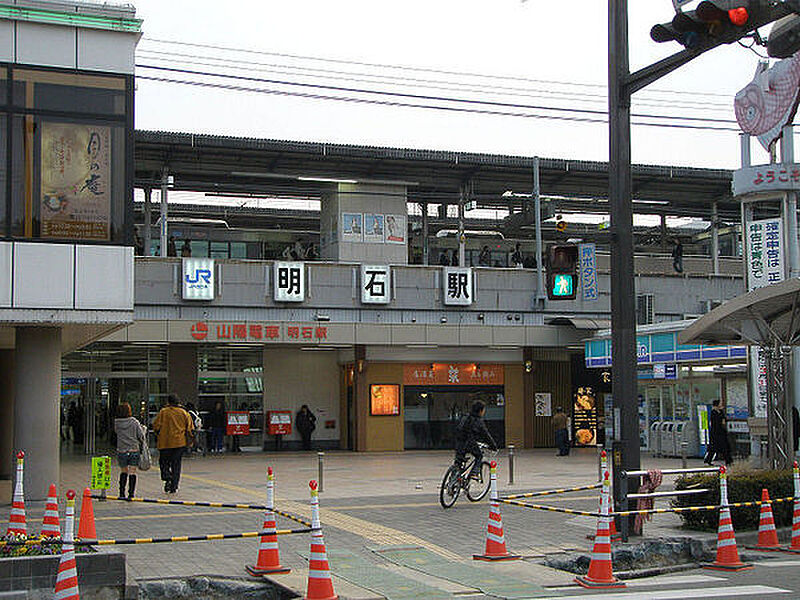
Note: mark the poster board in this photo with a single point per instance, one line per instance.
(238, 422)
(101, 473)
(543, 404)
(384, 399)
(584, 417)
(279, 422)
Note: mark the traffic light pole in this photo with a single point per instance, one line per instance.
(621, 86)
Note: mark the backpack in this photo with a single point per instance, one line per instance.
(198, 422)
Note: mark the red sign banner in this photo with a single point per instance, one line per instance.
(453, 374)
(238, 422)
(279, 422)
(255, 332)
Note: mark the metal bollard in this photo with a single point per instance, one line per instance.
(320, 464)
(684, 447)
(510, 464)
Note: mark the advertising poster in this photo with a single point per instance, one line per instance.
(396, 229)
(543, 404)
(584, 417)
(75, 200)
(384, 399)
(373, 228)
(352, 227)
(280, 422)
(238, 422)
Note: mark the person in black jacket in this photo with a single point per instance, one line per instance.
(470, 430)
(306, 422)
(217, 422)
(718, 435)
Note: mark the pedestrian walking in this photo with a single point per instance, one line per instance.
(198, 427)
(561, 432)
(217, 422)
(306, 422)
(718, 435)
(175, 431)
(130, 438)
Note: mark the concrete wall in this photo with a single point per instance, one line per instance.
(502, 296)
(293, 378)
(385, 432)
(182, 369)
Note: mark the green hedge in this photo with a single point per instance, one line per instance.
(743, 486)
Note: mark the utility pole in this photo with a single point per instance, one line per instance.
(623, 301)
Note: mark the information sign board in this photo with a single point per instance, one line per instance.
(101, 473)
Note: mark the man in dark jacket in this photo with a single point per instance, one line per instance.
(718, 435)
(470, 430)
(306, 422)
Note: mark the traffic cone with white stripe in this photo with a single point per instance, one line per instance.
(606, 466)
(67, 579)
(727, 553)
(269, 560)
(51, 528)
(601, 574)
(86, 528)
(767, 534)
(320, 583)
(795, 545)
(495, 539)
(17, 525)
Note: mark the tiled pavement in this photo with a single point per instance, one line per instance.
(370, 501)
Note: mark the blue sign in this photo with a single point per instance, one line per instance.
(588, 267)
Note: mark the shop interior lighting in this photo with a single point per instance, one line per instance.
(327, 179)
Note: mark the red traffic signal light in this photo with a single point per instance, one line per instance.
(712, 21)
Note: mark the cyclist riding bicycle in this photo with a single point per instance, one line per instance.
(469, 431)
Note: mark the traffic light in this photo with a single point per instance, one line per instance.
(715, 22)
(784, 39)
(562, 272)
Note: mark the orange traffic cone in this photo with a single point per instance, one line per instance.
(795, 545)
(320, 583)
(495, 539)
(86, 529)
(269, 560)
(17, 524)
(67, 578)
(727, 553)
(50, 525)
(604, 466)
(600, 573)
(767, 534)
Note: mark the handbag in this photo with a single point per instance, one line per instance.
(145, 461)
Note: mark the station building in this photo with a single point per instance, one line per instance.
(387, 345)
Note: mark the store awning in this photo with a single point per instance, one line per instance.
(579, 322)
(765, 316)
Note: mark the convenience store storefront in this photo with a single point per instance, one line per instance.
(678, 383)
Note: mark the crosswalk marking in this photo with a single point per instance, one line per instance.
(779, 563)
(675, 580)
(681, 594)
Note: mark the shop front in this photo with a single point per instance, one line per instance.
(436, 396)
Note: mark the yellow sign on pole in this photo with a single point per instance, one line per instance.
(101, 473)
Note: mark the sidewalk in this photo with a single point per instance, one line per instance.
(371, 504)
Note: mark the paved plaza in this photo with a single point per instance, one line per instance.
(387, 535)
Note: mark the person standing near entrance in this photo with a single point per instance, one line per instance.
(130, 437)
(306, 423)
(718, 435)
(561, 433)
(175, 431)
(218, 421)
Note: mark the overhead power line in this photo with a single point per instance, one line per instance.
(471, 105)
(424, 97)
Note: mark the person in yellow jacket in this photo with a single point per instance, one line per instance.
(175, 432)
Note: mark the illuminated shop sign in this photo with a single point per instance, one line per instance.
(257, 332)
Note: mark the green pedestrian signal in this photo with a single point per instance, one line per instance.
(563, 284)
(562, 271)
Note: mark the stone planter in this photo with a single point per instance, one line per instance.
(100, 575)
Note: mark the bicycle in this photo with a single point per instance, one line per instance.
(457, 478)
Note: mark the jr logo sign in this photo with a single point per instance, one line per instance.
(198, 279)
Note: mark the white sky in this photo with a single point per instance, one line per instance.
(550, 41)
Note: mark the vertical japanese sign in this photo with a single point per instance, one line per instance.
(289, 282)
(457, 286)
(101, 473)
(765, 265)
(587, 262)
(198, 278)
(765, 260)
(75, 201)
(375, 284)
